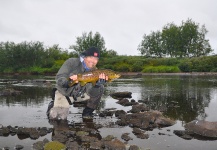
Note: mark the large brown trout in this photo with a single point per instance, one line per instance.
(93, 76)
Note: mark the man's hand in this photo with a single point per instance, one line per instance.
(74, 78)
(102, 79)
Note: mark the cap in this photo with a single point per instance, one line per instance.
(92, 51)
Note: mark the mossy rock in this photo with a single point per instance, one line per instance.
(54, 145)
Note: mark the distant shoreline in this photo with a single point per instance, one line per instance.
(132, 74)
(180, 73)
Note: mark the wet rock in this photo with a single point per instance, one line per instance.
(137, 131)
(203, 128)
(114, 145)
(140, 133)
(145, 120)
(39, 145)
(81, 133)
(72, 145)
(126, 137)
(139, 108)
(134, 147)
(10, 92)
(126, 102)
(4, 131)
(163, 121)
(43, 131)
(34, 134)
(119, 95)
(123, 101)
(120, 113)
(6, 148)
(142, 136)
(106, 113)
(184, 134)
(88, 139)
(96, 145)
(108, 138)
(60, 136)
(18, 147)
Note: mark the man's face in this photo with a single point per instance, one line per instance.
(91, 61)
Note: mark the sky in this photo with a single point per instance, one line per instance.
(122, 23)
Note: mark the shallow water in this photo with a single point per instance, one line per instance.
(196, 97)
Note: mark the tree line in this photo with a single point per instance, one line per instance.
(185, 41)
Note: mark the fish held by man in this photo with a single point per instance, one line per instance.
(93, 76)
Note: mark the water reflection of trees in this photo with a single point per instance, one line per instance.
(192, 95)
(31, 96)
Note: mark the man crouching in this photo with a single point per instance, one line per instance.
(65, 95)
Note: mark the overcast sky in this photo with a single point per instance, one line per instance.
(122, 23)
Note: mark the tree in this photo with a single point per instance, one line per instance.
(187, 40)
(171, 40)
(88, 40)
(151, 45)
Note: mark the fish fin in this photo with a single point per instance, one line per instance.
(94, 83)
(82, 83)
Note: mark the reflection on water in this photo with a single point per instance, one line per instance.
(191, 95)
(183, 98)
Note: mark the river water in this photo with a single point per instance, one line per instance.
(195, 96)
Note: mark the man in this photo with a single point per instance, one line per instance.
(65, 95)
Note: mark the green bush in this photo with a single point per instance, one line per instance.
(185, 66)
(161, 69)
(122, 67)
(8, 70)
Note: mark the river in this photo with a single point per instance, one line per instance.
(195, 96)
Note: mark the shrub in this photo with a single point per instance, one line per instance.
(161, 69)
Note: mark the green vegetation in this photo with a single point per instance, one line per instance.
(33, 58)
(174, 49)
(186, 40)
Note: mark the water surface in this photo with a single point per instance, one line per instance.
(196, 98)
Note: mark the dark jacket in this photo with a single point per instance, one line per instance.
(70, 67)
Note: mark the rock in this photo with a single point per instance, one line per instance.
(54, 145)
(72, 145)
(19, 147)
(126, 137)
(114, 145)
(184, 134)
(139, 108)
(120, 113)
(108, 138)
(126, 102)
(203, 128)
(4, 131)
(39, 145)
(137, 131)
(96, 145)
(118, 95)
(145, 120)
(134, 147)
(6, 148)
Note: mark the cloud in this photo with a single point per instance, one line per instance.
(121, 23)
